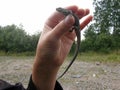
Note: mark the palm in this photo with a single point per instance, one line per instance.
(55, 45)
(65, 44)
(57, 49)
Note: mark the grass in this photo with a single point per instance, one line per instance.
(2, 53)
(113, 57)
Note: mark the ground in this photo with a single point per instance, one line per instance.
(81, 76)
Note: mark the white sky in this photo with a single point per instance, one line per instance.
(33, 13)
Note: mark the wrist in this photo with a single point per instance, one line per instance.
(44, 75)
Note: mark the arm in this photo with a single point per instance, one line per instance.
(53, 47)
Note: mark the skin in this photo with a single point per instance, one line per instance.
(76, 27)
(54, 45)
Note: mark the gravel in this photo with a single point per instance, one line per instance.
(81, 76)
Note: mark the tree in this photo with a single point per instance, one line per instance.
(107, 16)
(90, 36)
(15, 39)
(104, 33)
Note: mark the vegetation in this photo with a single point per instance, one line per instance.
(104, 34)
(112, 57)
(100, 57)
(101, 36)
(14, 39)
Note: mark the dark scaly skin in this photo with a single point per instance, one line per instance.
(76, 27)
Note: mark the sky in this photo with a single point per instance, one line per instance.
(33, 13)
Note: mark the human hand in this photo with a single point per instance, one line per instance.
(56, 40)
(54, 45)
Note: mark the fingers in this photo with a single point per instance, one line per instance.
(60, 25)
(63, 27)
(82, 12)
(86, 22)
(56, 17)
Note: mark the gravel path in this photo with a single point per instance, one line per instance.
(81, 76)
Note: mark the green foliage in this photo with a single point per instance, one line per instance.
(90, 36)
(72, 49)
(103, 43)
(91, 56)
(104, 34)
(107, 16)
(15, 39)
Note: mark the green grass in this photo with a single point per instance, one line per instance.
(113, 57)
(2, 53)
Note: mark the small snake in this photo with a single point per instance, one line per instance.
(76, 27)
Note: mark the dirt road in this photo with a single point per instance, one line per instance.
(81, 76)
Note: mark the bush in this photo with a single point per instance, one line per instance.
(15, 39)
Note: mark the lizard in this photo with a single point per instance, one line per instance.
(76, 27)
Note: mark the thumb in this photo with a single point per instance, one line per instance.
(63, 27)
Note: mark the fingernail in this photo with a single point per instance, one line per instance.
(69, 20)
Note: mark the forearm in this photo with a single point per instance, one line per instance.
(44, 76)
